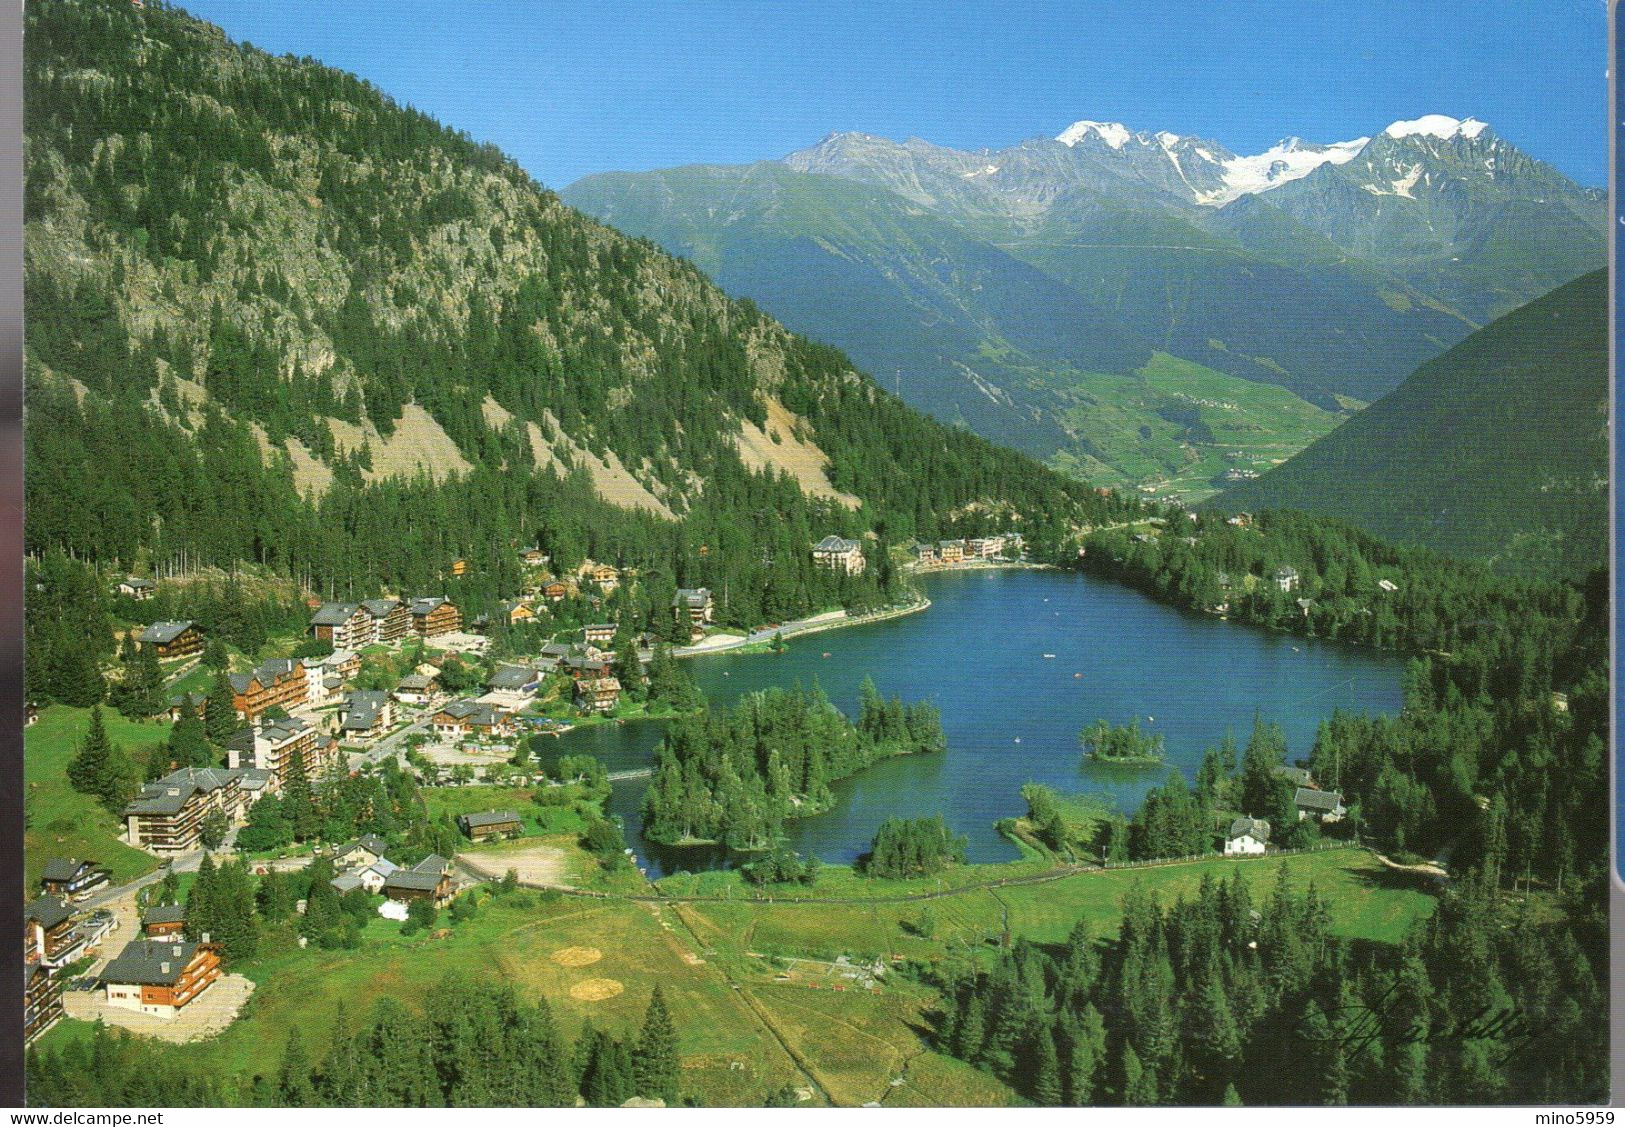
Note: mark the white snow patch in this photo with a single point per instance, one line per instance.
(1288, 160)
(1168, 139)
(988, 171)
(1110, 132)
(1437, 125)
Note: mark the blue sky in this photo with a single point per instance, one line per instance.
(570, 89)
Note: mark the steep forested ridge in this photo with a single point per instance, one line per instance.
(277, 318)
(1496, 450)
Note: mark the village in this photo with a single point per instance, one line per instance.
(452, 716)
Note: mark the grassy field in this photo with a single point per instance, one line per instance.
(1133, 422)
(60, 821)
(518, 800)
(751, 1018)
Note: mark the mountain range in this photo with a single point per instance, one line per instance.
(276, 317)
(1496, 450)
(1135, 307)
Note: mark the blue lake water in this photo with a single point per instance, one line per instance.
(1011, 714)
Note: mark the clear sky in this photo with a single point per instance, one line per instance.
(572, 88)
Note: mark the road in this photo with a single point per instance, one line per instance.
(826, 621)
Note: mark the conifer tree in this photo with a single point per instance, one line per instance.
(188, 741)
(1046, 1070)
(293, 1081)
(88, 767)
(220, 711)
(657, 1062)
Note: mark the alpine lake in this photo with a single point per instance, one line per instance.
(1018, 662)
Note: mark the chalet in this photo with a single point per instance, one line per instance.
(1321, 805)
(555, 592)
(48, 925)
(597, 694)
(534, 557)
(429, 879)
(1247, 837)
(372, 877)
(272, 745)
(514, 679)
(160, 977)
(434, 616)
(167, 816)
(347, 626)
(926, 554)
(1297, 776)
(608, 578)
(173, 639)
(280, 683)
(459, 567)
(164, 920)
(515, 612)
(1286, 579)
(489, 825)
(470, 718)
(177, 706)
(694, 605)
(359, 853)
(838, 554)
(391, 620)
(344, 663)
(415, 688)
(584, 666)
(42, 998)
(1388, 585)
(365, 714)
(138, 589)
(71, 877)
(598, 633)
(951, 551)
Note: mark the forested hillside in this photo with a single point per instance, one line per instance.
(276, 318)
(1497, 450)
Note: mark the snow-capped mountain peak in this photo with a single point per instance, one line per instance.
(1289, 159)
(1114, 134)
(1437, 125)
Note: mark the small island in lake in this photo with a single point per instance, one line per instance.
(1121, 745)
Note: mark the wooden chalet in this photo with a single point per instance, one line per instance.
(597, 694)
(347, 626)
(48, 927)
(429, 879)
(555, 592)
(391, 619)
(490, 825)
(71, 877)
(281, 682)
(164, 920)
(434, 616)
(138, 589)
(42, 998)
(160, 977)
(173, 639)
